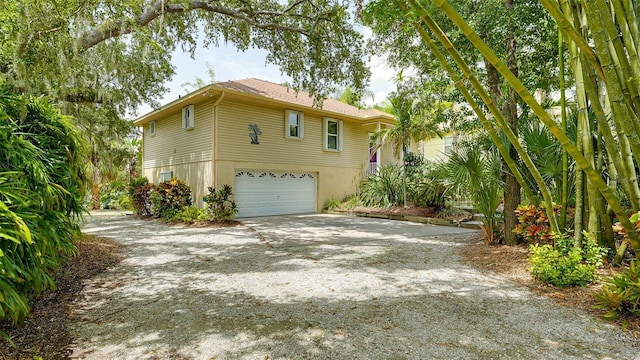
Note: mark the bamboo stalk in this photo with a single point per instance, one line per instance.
(513, 81)
(504, 127)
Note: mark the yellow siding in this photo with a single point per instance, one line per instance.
(188, 153)
(234, 143)
(433, 149)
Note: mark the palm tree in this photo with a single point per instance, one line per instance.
(412, 123)
(476, 173)
(348, 96)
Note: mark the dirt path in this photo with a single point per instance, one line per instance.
(327, 288)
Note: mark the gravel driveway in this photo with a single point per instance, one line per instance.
(319, 287)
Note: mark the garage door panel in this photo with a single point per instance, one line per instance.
(262, 193)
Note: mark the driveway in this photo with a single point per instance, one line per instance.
(319, 287)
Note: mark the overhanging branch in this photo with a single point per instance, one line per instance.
(247, 14)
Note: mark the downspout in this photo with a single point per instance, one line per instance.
(214, 162)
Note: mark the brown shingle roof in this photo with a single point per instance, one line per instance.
(302, 98)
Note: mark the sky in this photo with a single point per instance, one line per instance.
(230, 64)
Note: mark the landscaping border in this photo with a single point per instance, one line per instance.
(411, 218)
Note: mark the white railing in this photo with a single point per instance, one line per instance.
(370, 169)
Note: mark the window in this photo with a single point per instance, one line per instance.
(165, 176)
(448, 145)
(188, 115)
(332, 134)
(294, 124)
(152, 128)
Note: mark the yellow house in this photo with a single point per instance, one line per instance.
(436, 148)
(281, 154)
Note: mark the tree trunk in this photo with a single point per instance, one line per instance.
(95, 181)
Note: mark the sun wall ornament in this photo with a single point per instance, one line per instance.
(255, 131)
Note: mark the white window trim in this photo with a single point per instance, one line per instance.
(152, 128)
(163, 176)
(326, 134)
(188, 117)
(300, 124)
(445, 145)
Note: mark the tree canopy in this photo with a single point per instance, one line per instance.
(119, 52)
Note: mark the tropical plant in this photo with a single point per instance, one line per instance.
(383, 189)
(620, 294)
(348, 96)
(533, 224)
(475, 173)
(563, 264)
(505, 25)
(42, 188)
(425, 187)
(169, 197)
(332, 203)
(220, 203)
(414, 121)
(189, 215)
(141, 199)
(137, 183)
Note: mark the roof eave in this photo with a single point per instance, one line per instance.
(175, 104)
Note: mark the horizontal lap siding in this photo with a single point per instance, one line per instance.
(188, 153)
(235, 144)
(173, 145)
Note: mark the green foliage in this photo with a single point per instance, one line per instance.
(350, 201)
(621, 293)
(124, 202)
(562, 264)
(424, 187)
(169, 197)
(475, 173)
(77, 51)
(220, 203)
(383, 189)
(332, 203)
(189, 215)
(135, 184)
(42, 188)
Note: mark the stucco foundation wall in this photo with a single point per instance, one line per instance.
(332, 181)
(197, 175)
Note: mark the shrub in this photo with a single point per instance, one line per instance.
(42, 188)
(383, 189)
(169, 197)
(123, 202)
(135, 184)
(621, 293)
(533, 223)
(189, 214)
(220, 204)
(429, 192)
(562, 264)
(141, 200)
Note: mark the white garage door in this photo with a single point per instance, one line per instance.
(262, 193)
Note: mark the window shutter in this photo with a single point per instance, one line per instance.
(188, 115)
